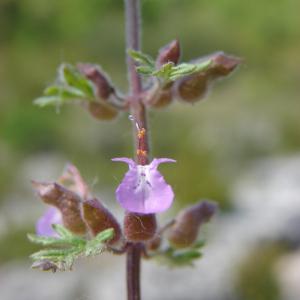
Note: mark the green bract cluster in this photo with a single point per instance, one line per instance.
(173, 257)
(70, 85)
(66, 248)
(168, 71)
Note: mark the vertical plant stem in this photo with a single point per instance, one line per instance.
(138, 111)
(132, 19)
(133, 265)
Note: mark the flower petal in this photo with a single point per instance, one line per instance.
(144, 190)
(126, 160)
(44, 224)
(157, 161)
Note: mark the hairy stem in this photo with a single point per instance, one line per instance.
(132, 18)
(138, 112)
(133, 265)
(137, 107)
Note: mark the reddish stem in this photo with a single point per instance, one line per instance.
(138, 112)
(133, 265)
(137, 107)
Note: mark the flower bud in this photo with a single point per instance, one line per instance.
(45, 265)
(154, 243)
(185, 230)
(72, 180)
(98, 218)
(99, 79)
(66, 201)
(223, 64)
(138, 227)
(169, 53)
(102, 111)
(164, 97)
(192, 88)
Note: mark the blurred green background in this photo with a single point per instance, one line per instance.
(251, 115)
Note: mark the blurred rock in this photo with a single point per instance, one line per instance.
(288, 273)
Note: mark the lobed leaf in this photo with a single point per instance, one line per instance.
(63, 232)
(73, 78)
(168, 71)
(180, 258)
(45, 240)
(142, 58)
(48, 101)
(64, 91)
(105, 235)
(70, 85)
(71, 247)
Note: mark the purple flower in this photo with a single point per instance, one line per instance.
(143, 189)
(44, 223)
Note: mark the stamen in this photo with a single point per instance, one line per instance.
(141, 133)
(140, 152)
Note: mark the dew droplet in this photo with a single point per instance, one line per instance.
(131, 118)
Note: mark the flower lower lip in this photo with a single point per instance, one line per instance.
(143, 189)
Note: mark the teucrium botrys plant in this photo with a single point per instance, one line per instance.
(77, 224)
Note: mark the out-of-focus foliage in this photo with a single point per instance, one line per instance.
(257, 280)
(18, 246)
(36, 36)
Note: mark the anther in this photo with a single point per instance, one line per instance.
(140, 152)
(141, 133)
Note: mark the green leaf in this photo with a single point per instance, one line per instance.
(199, 244)
(165, 71)
(70, 86)
(63, 232)
(168, 71)
(186, 257)
(175, 258)
(68, 261)
(58, 95)
(48, 100)
(171, 72)
(180, 257)
(95, 246)
(144, 70)
(64, 92)
(54, 254)
(69, 247)
(73, 78)
(203, 66)
(182, 70)
(105, 235)
(62, 258)
(45, 240)
(142, 58)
